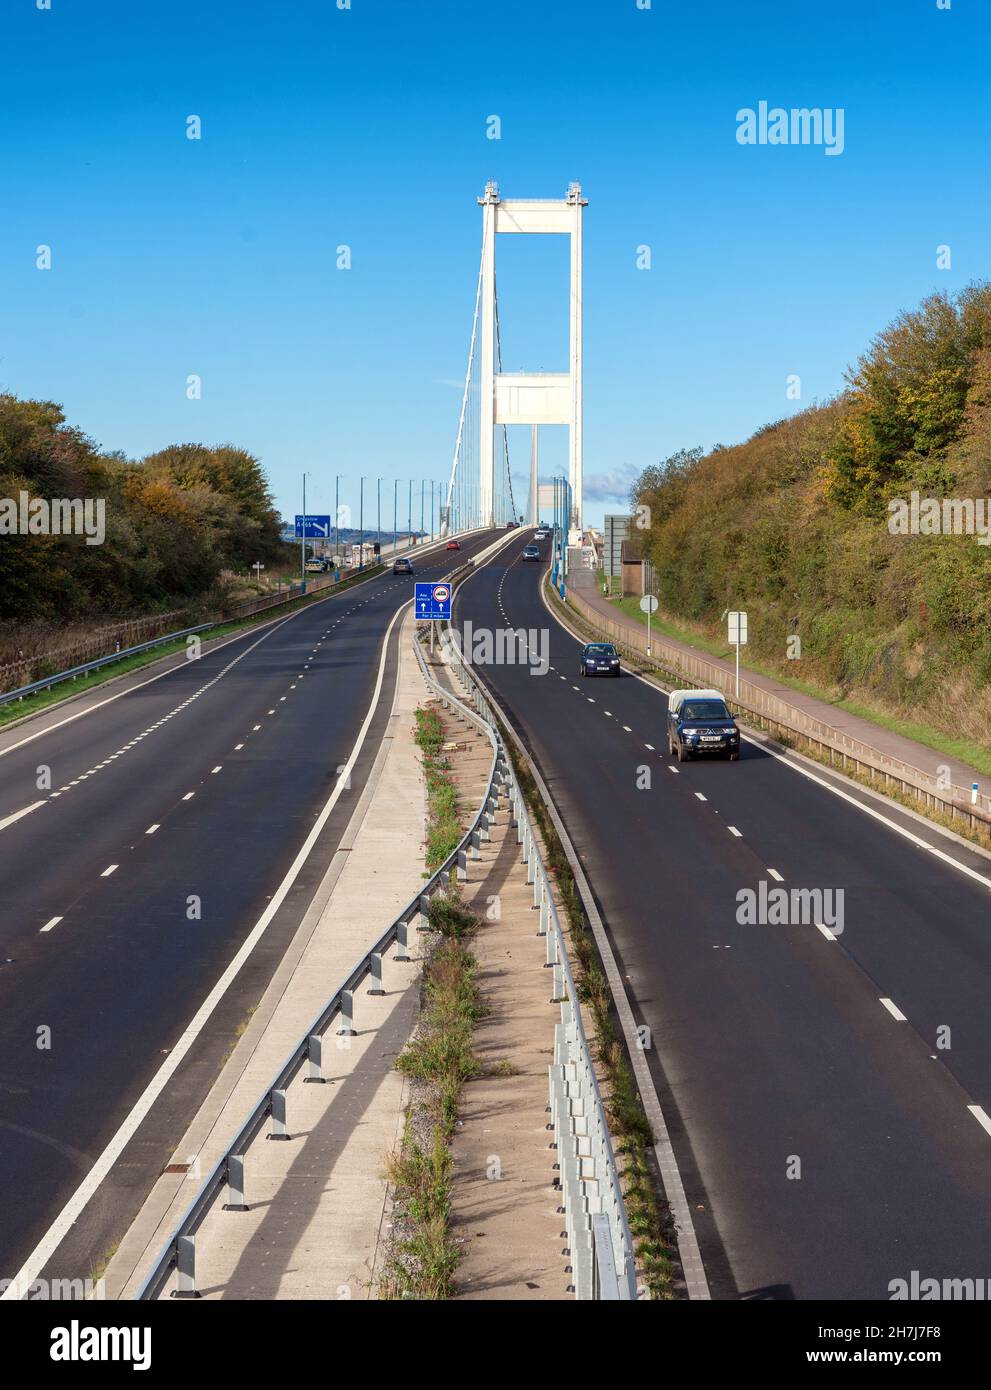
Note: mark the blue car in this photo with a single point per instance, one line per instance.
(598, 659)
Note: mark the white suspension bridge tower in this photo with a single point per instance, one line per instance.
(479, 493)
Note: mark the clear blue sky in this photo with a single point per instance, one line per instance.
(368, 127)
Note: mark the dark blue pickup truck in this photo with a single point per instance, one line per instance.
(699, 722)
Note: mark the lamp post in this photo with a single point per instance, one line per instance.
(422, 495)
(361, 524)
(395, 515)
(302, 539)
(378, 492)
(337, 521)
(409, 519)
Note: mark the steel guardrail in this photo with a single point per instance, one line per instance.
(46, 682)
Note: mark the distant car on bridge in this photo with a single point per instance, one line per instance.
(599, 659)
(454, 545)
(402, 565)
(700, 722)
(530, 552)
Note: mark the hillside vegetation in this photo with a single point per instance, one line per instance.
(793, 525)
(175, 522)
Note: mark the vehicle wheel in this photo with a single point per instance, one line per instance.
(670, 747)
(682, 755)
(615, 673)
(734, 756)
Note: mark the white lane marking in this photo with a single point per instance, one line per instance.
(77, 1203)
(152, 828)
(672, 768)
(189, 796)
(590, 700)
(271, 711)
(255, 728)
(19, 815)
(703, 798)
(650, 746)
(607, 713)
(110, 869)
(216, 770)
(53, 923)
(774, 874)
(894, 1010)
(981, 1116)
(627, 729)
(830, 936)
(238, 747)
(91, 709)
(733, 831)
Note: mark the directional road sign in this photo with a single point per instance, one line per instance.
(312, 528)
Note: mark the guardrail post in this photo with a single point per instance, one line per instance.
(185, 1266)
(278, 1106)
(346, 1013)
(376, 973)
(424, 911)
(402, 940)
(235, 1183)
(314, 1056)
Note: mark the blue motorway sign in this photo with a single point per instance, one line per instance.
(312, 528)
(433, 601)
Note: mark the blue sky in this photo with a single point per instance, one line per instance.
(368, 127)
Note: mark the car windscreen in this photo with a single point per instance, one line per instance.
(600, 649)
(704, 709)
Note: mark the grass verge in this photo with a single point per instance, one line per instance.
(443, 818)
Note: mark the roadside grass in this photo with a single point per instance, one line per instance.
(977, 755)
(650, 1226)
(443, 820)
(34, 704)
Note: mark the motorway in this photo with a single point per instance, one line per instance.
(829, 1141)
(167, 838)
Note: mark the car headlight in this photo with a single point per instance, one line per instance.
(615, 661)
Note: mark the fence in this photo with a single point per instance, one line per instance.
(97, 644)
(768, 711)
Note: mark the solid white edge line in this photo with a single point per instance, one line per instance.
(19, 815)
(894, 1010)
(981, 1116)
(76, 1204)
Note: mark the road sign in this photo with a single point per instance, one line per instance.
(648, 604)
(738, 628)
(432, 601)
(312, 528)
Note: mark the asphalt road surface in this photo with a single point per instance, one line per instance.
(173, 814)
(823, 1128)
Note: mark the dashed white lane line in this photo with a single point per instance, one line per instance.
(215, 770)
(53, 923)
(627, 729)
(650, 746)
(238, 747)
(981, 1116)
(733, 831)
(189, 796)
(255, 728)
(110, 869)
(152, 828)
(705, 798)
(607, 713)
(574, 687)
(894, 1010)
(774, 874)
(589, 699)
(830, 936)
(271, 711)
(25, 811)
(672, 768)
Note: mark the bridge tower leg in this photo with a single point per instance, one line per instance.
(486, 457)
